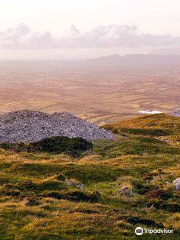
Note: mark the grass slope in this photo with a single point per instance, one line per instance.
(104, 194)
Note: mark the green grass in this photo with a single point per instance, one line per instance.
(54, 145)
(40, 198)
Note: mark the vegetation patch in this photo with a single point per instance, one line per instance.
(106, 193)
(53, 145)
(74, 195)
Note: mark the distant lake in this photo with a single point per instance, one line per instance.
(149, 112)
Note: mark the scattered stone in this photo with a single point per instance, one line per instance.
(75, 183)
(80, 186)
(32, 126)
(177, 183)
(69, 182)
(126, 191)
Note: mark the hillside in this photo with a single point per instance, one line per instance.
(137, 60)
(151, 121)
(103, 194)
(155, 125)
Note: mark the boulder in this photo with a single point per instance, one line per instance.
(176, 183)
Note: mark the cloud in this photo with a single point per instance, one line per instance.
(22, 37)
(110, 36)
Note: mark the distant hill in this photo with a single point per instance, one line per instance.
(138, 59)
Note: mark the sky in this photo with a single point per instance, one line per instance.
(75, 29)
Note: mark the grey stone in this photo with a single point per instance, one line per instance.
(177, 183)
(31, 126)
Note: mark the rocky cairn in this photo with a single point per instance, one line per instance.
(32, 126)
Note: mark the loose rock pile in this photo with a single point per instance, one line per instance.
(31, 126)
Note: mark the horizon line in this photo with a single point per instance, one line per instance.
(85, 59)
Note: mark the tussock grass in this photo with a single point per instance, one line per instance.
(36, 201)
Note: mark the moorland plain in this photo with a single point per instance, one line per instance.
(99, 93)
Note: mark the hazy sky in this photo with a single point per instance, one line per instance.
(81, 28)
